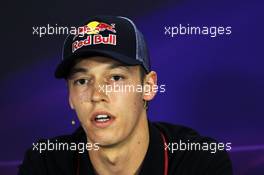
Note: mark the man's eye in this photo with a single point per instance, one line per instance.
(81, 81)
(117, 77)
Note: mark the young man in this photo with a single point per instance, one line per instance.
(108, 54)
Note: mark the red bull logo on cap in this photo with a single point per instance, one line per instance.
(93, 29)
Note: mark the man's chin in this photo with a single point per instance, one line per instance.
(106, 140)
(107, 144)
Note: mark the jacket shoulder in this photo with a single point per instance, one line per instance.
(50, 156)
(191, 153)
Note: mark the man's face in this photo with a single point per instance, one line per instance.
(108, 118)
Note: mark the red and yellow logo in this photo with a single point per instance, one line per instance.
(92, 30)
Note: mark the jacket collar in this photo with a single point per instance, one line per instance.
(154, 159)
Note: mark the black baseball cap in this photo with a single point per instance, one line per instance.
(115, 37)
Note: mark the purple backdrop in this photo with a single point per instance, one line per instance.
(214, 85)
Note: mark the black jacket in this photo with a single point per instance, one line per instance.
(160, 159)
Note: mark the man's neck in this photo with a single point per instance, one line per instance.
(124, 158)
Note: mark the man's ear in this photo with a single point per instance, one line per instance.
(150, 86)
(70, 103)
(69, 98)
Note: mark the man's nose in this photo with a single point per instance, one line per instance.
(98, 93)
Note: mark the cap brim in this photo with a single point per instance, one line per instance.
(65, 66)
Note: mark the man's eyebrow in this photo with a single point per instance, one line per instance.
(77, 70)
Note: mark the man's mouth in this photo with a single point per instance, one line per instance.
(102, 119)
